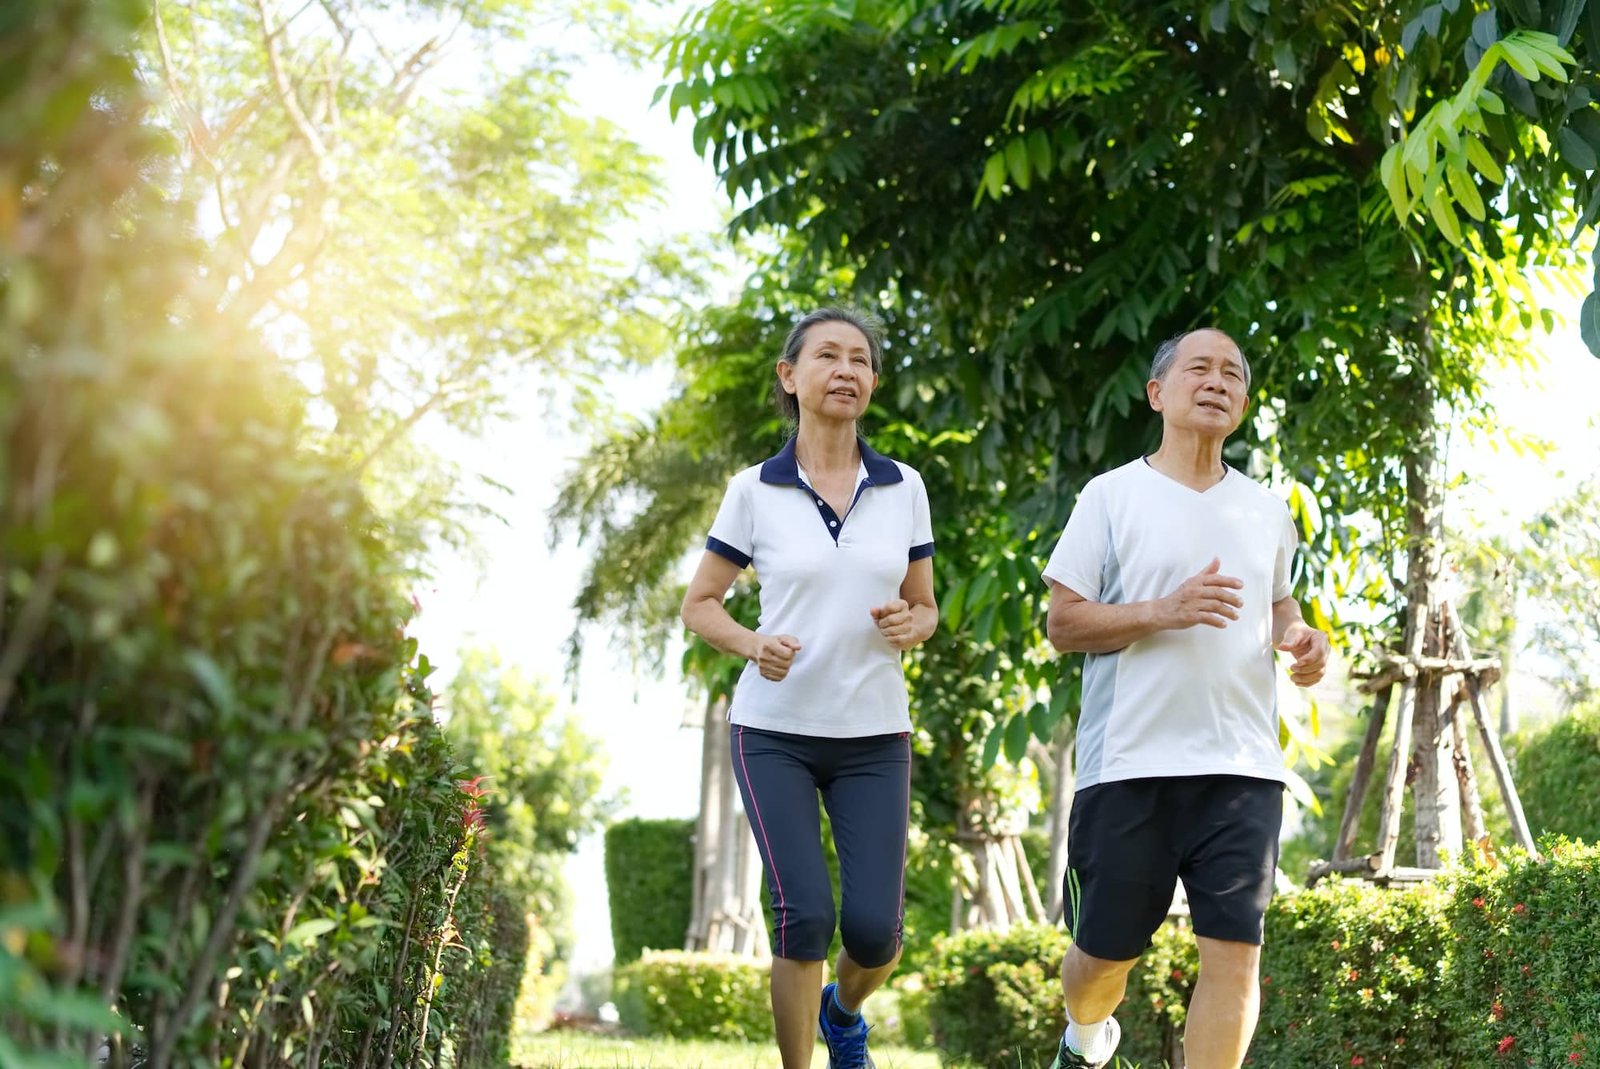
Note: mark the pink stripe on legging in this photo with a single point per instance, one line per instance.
(772, 861)
(900, 929)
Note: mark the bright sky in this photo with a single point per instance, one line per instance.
(519, 601)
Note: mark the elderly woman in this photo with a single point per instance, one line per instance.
(842, 547)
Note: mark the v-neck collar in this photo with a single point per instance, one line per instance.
(1227, 470)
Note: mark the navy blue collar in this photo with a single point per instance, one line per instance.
(784, 470)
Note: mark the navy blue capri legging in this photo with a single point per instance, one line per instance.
(866, 785)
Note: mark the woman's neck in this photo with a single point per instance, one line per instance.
(827, 447)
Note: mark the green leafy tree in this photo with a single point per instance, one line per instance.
(1559, 572)
(541, 774)
(1044, 190)
(406, 198)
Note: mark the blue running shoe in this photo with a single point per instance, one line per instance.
(847, 1047)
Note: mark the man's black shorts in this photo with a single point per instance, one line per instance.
(1130, 841)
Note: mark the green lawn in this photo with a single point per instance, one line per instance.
(576, 1050)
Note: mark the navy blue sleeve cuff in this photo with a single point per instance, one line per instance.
(722, 549)
(924, 550)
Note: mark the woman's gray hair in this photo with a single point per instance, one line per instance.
(1167, 351)
(870, 326)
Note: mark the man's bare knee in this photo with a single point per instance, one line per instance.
(1227, 956)
(1090, 968)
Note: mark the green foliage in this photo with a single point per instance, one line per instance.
(541, 777)
(1521, 977)
(542, 774)
(1037, 199)
(1353, 971)
(650, 884)
(1558, 569)
(233, 833)
(1556, 767)
(1524, 118)
(995, 999)
(695, 996)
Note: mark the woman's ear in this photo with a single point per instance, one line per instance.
(785, 372)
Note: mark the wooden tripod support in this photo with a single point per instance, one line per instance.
(1422, 667)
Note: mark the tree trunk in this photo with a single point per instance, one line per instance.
(1059, 819)
(726, 914)
(708, 831)
(1434, 790)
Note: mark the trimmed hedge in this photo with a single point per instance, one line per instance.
(1495, 965)
(650, 885)
(1353, 971)
(685, 995)
(1524, 980)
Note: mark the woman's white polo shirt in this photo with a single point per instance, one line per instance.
(821, 574)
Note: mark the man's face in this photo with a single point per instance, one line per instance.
(1204, 388)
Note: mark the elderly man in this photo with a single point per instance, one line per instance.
(1173, 575)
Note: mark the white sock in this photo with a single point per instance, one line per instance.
(1089, 1040)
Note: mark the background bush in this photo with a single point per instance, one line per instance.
(650, 884)
(1351, 970)
(687, 995)
(994, 999)
(1524, 957)
(1557, 766)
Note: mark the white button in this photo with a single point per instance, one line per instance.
(833, 523)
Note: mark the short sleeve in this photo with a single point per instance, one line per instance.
(921, 522)
(733, 531)
(1079, 559)
(1283, 567)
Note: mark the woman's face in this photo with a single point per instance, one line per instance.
(832, 379)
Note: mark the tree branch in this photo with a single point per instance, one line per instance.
(194, 123)
(286, 92)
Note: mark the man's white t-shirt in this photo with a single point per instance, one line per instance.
(821, 574)
(1201, 701)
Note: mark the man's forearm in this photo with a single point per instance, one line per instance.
(1094, 627)
(1285, 611)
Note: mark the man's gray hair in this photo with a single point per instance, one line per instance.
(1167, 351)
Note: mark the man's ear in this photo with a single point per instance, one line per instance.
(1152, 393)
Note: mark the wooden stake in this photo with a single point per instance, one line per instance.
(1394, 787)
(1357, 795)
(1472, 821)
(1491, 747)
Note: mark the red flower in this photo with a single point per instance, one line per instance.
(1356, 1059)
(1177, 975)
(1478, 901)
(1498, 1011)
(1574, 1057)
(1336, 944)
(1354, 975)
(1505, 1044)
(1520, 908)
